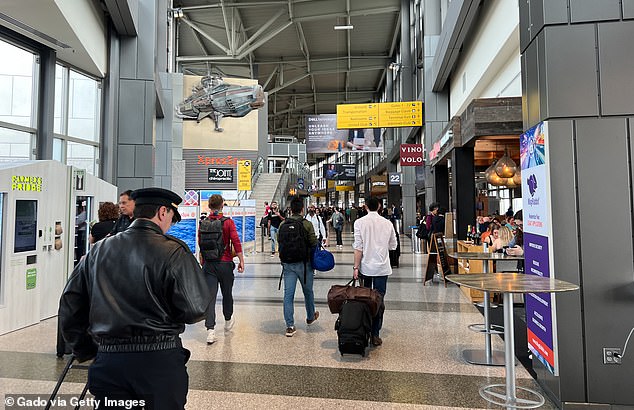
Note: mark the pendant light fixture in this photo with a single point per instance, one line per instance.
(492, 177)
(505, 167)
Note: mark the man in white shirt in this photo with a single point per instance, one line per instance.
(318, 224)
(374, 237)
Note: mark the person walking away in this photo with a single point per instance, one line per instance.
(319, 229)
(374, 237)
(275, 218)
(353, 217)
(297, 243)
(337, 224)
(217, 240)
(128, 312)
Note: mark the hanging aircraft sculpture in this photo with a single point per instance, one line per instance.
(214, 98)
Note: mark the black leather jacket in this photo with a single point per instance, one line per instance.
(133, 292)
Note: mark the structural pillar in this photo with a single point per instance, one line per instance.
(45, 115)
(577, 60)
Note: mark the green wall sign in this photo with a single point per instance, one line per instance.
(31, 278)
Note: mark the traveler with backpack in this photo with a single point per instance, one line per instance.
(374, 237)
(425, 228)
(217, 236)
(297, 242)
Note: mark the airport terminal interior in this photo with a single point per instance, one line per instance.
(490, 131)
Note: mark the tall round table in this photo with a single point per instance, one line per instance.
(486, 357)
(507, 284)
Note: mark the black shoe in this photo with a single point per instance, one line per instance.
(376, 341)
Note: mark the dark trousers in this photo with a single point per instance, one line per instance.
(159, 378)
(380, 284)
(219, 273)
(339, 238)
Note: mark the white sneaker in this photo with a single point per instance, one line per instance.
(229, 323)
(211, 336)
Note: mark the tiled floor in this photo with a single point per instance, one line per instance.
(255, 366)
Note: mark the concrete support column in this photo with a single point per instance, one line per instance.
(46, 109)
(436, 103)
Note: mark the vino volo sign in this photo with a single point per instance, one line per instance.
(412, 155)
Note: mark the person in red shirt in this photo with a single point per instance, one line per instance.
(220, 272)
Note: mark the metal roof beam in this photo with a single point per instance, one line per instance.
(219, 5)
(224, 17)
(207, 36)
(362, 12)
(270, 77)
(260, 31)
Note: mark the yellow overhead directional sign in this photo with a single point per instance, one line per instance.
(401, 114)
(357, 115)
(380, 115)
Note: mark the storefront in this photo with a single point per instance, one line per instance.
(466, 149)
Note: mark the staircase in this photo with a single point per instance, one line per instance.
(263, 191)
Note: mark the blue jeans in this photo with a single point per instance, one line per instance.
(380, 284)
(273, 235)
(293, 272)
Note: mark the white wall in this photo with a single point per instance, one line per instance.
(490, 62)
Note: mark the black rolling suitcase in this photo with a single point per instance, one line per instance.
(353, 327)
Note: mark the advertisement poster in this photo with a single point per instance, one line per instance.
(186, 229)
(540, 307)
(322, 136)
(340, 172)
(244, 219)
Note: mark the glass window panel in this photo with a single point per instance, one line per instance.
(16, 84)
(58, 146)
(59, 83)
(81, 156)
(83, 107)
(14, 145)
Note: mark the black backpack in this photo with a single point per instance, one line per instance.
(292, 239)
(212, 246)
(422, 232)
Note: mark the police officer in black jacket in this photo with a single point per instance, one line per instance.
(128, 301)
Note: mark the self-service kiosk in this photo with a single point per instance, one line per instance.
(45, 211)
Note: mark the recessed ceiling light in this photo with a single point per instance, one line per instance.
(346, 27)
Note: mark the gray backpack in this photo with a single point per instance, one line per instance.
(212, 246)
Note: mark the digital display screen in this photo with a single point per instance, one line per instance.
(25, 226)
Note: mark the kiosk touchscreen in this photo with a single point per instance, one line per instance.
(25, 226)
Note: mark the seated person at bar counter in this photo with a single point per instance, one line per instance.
(491, 234)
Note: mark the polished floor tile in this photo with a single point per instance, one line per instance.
(419, 365)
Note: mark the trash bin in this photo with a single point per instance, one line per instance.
(415, 240)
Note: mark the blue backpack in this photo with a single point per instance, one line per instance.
(323, 260)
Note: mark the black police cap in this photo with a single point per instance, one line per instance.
(158, 196)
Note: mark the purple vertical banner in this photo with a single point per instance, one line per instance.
(539, 320)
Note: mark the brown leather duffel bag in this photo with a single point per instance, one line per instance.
(338, 294)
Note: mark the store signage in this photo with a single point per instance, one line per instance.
(440, 144)
(380, 115)
(538, 253)
(412, 155)
(344, 188)
(244, 175)
(395, 178)
(220, 175)
(26, 183)
(300, 183)
(228, 160)
(31, 278)
(378, 184)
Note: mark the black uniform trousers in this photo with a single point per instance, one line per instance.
(159, 378)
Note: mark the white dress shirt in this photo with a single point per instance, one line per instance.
(375, 237)
(318, 225)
